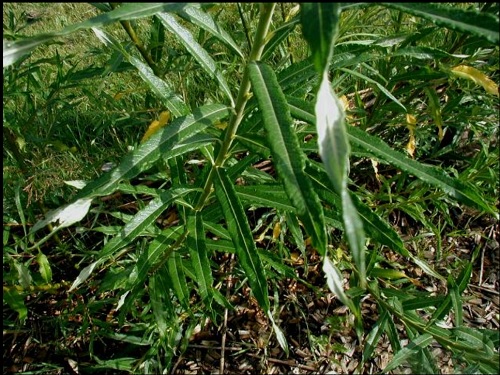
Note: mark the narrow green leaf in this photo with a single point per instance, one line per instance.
(44, 267)
(242, 238)
(287, 156)
(484, 25)
(172, 101)
(422, 302)
(332, 136)
(279, 334)
(456, 302)
(265, 196)
(297, 75)
(334, 150)
(320, 27)
(353, 227)
(204, 20)
(156, 44)
(177, 279)
(197, 51)
(64, 216)
(407, 352)
(169, 141)
(24, 275)
(387, 273)
(199, 256)
(437, 177)
(277, 37)
(160, 303)
(380, 86)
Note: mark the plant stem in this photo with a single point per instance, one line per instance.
(138, 44)
(266, 12)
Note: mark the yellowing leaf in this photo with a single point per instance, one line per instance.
(412, 145)
(477, 76)
(410, 119)
(276, 230)
(292, 13)
(118, 95)
(344, 101)
(156, 125)
(220, 125)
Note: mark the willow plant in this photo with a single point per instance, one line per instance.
(262, 120)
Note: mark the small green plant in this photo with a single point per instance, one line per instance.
(196, 193)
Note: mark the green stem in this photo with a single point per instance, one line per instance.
(266, 12)
(138, 44)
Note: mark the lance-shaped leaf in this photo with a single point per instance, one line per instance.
(334, 150)
(287, 155)
(484, 25)
(172, 101)
(137, 225)
(197, 51)
(168, 142)
(204, 20)
(177, 279)
(242, 238)
(199, 257)
(13, 51)
(320, 26)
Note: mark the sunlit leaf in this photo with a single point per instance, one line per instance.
(476, 76)
(197, 51)
(287, 156)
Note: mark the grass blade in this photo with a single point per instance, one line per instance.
(287, 156)
(242, 237)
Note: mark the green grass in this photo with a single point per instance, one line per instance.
(191, 249)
